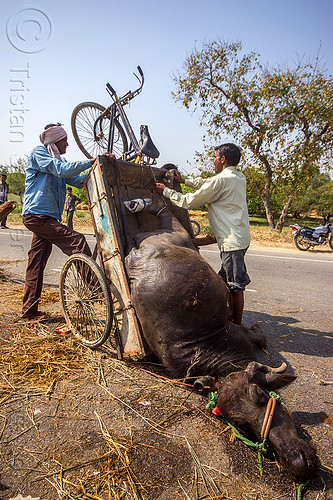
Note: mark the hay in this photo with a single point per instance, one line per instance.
(107, 476)
(49, 296)
(34, 359)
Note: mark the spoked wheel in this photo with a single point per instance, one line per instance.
(331, 241)
(195, 227)
(86, 300)
(301, 242)
(91, 131)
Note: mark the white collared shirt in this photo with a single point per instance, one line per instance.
(225, 195)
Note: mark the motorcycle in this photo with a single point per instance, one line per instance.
(305, 237)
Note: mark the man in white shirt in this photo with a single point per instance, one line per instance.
(225, 195)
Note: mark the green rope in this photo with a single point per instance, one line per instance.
(273, 394)
(262, 447)
(300, 488)
(212, 396)
(260, 462)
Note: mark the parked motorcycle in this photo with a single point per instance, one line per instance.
(305, 237)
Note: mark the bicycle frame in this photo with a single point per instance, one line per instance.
(97, 129)
(116, 110)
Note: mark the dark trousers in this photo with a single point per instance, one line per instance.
(4, 221)
(69, 221)
(46, 231)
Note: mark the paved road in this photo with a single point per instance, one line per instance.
(288, 281)
(283, 281)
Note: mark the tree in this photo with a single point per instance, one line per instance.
(307, 197)
(324, 203)
(16, 177)
(81, 193)
(282, 118)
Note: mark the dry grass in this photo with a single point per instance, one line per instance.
(260, 235)
(106, 476)
(35, 359)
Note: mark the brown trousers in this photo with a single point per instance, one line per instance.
(46, 231)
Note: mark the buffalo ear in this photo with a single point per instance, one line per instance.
(272, 381)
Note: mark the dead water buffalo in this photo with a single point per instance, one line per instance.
(183, 308)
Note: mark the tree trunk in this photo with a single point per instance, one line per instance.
(269, 213)
(266, 202)
(283, 215)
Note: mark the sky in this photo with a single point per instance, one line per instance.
(56, 54)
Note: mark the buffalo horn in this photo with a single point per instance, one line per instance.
(205, 382)
(254, 366)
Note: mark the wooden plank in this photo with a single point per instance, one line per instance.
(138, 181)
(132, 174)
(106, 224)
(107, 187)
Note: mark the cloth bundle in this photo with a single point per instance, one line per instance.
(138, 204)
(51, 135)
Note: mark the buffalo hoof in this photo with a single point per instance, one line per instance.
(157, 206)
(256, 335)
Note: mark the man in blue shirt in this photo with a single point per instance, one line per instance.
(47, 174)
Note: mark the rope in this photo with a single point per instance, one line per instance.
(161, 210)
(300, 488)
(152, 171)
(212, 396)
(273, 394)
(262, 447)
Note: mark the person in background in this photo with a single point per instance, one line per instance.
(47, 174)
(4, 190)
(70, 204)
(225, 195)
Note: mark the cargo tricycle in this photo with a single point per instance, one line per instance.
(96, 296)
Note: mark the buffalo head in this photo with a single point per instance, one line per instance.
(243, 398)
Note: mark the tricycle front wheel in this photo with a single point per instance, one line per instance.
(86, 300)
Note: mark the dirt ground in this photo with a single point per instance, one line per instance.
(80, 424)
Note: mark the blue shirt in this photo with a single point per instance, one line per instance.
(45, 183)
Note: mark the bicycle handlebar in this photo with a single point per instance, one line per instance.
(111, 89)
(129, 95)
